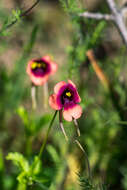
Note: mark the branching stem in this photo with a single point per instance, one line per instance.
(97, 16)
(116, 16)
(25, 13)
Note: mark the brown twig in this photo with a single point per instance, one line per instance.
(29, 9)
(106, 83)
(25, 13)
(100, 74)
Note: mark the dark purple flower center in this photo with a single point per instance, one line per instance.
(67, 96)
(40, 67)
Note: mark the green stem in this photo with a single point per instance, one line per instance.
(29, 145)
(87, 160)
(46, 137)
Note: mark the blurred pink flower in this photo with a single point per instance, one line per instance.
(39, 70)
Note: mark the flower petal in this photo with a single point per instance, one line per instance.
(39, 80)
(78, 97)
(74, 112)
(47, 58)
(69, 81)
(28, 69)
(58, 86)
(54, 67)
(53, 102)
(67, 116)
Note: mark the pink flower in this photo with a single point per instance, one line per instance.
(40, 69)
(66, 98)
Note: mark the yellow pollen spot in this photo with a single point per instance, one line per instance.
(68, 94)
(39, 65)
(34, 65)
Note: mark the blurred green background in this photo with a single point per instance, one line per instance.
(54, 27)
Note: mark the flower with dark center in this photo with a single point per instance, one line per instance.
(66, 98)
(40, 69)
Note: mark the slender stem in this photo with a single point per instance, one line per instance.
(77, 127)
(46, 94)
(61, 125)
(33, 96)
(46, 137)
(29, 9)
(44, 143)
(87, 161)
(29, 145)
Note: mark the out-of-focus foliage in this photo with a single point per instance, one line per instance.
(55, 27)
(10, 21)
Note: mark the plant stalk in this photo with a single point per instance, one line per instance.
(46, 137)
